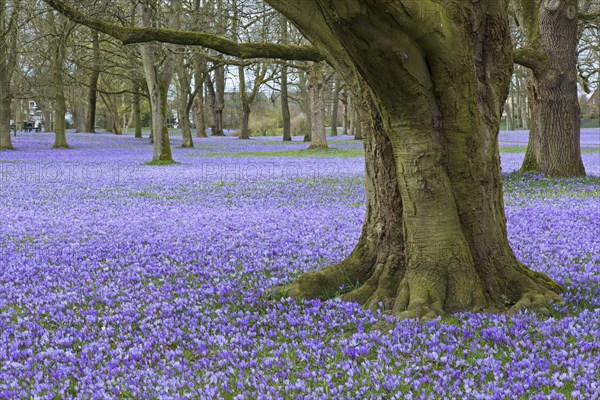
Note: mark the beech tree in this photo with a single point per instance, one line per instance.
(430, 79)
(550, 52)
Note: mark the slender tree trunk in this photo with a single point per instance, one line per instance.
(210, 89)
(199, 118)
(5, 100)
(245, 105)
(316, 90)
(93, 85)
(285, 106)
(335, 106)
(357, 126)
(550, 27)
(219, 104)
(346, 119)
(434, 121)
(351, 117)
(306, 106)
(60, 104)
(183, 94)
(509, 117)
(8, 60)
(137, 115)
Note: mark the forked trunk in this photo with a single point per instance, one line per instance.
(434, 240)
(158, 105)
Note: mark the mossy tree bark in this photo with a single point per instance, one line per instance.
(433, 78)
(550, 28)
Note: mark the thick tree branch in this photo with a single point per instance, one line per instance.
(213, 42)
(529, 58)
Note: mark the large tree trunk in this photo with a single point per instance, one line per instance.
(93, 84)
(433, 168)
(316, 90)
(550, 27)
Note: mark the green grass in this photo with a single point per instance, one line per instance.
(590, 123)
(522, 149)
(160, 163)
(325, 153)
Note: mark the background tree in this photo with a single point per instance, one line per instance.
(550, 52)
(316, 89)
(158, 70)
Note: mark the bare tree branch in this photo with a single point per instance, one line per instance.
(142, 35)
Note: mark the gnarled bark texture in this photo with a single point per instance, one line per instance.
(431, 79)
(550, 29)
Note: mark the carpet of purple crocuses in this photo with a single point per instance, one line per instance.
(125, 280)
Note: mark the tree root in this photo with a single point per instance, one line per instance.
(388, 287)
